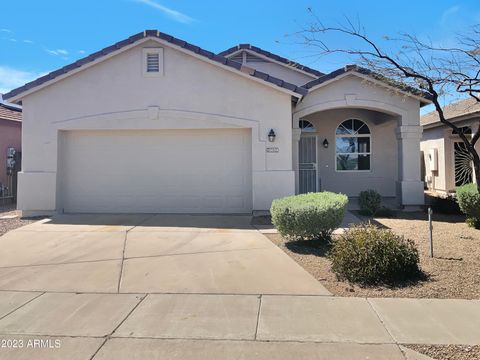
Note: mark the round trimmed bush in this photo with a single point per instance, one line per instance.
(366, 254)
(468, 200)
(369, 201)
(308, 216)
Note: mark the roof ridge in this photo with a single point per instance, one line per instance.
(154, 34)
(268, 54)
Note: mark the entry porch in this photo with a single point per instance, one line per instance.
(355, 142)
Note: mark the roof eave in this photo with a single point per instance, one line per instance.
(455, 119)
(17, 94)
(12, 120)
(11, 107)
(344, 73)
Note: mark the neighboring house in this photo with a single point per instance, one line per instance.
(10, 137)
(447, 163)
(155, 124)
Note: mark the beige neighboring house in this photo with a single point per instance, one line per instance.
(155, 124)
(447, 164)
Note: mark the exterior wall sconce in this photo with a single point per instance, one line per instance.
(271, 135)
(325, 143)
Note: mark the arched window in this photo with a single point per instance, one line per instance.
(306, 126)
(352, 146)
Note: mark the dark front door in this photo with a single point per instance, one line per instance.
(307, 155)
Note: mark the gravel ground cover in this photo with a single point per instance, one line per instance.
(448, 352)
(14, 220)
(453, 272)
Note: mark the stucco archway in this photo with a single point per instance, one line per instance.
(352, 94)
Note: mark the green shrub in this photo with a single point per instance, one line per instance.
(385, 212)
(468, 200)
(443, 205)
(369, 255)
(473, 222)
(308, 216)
(369, 201)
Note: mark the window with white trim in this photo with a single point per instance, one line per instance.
(152, 61)
(306, 126)
(352, 146)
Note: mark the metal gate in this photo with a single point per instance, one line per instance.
(8, 189)
(307, 156)
(463, 164)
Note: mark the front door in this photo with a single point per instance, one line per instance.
(307, 154)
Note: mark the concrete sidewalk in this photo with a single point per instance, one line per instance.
(194, 287)
(191, 326)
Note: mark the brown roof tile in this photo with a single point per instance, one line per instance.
(452, 111)
(302, 90)
(272, 56)
(10, 113)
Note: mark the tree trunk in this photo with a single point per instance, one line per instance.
(476, 168)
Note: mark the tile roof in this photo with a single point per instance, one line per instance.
(219, 58)
(454, 110)
(168, 38)
(272, 56)
(370, 73)
(10, 113)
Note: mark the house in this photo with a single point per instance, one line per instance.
(447, 163)
(156, 124)
(10, 138)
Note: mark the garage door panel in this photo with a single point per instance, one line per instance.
(197, 171)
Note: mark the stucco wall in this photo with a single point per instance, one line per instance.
(354, 92)
(434, 139)
(384, 157)
(10, 136)
(192, 93)
(441, 138)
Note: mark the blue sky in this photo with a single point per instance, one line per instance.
(40, 36)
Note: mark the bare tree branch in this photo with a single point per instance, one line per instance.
(434, 69)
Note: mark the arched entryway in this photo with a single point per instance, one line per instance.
(364, 139)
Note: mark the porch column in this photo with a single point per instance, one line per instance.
(410, 188)
(296, 132)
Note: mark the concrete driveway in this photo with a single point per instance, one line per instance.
(193, 287)
(149, 254)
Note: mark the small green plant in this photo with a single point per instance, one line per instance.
(444, 205)
(308, 216)
(468, 200)
(369, 201)
(385, 212)
(366, 254)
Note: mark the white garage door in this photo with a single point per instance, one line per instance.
(168, 171)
